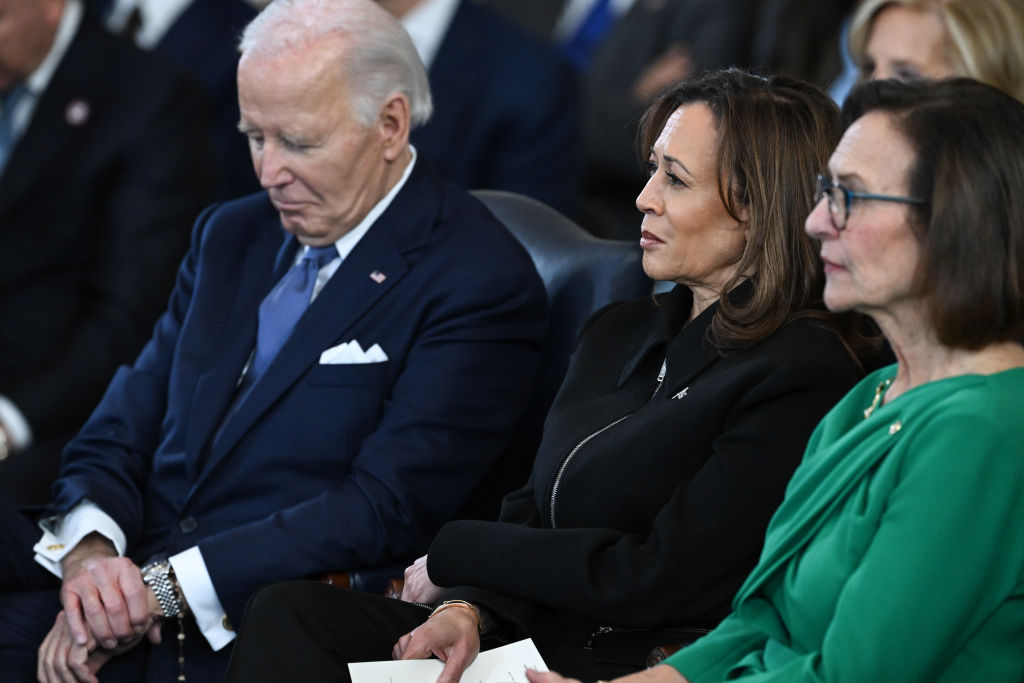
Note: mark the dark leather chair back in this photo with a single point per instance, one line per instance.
(581, 273)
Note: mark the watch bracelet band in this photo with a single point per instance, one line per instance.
(5, 444)
(159, 576)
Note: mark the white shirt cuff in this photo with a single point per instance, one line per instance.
(190, 570)
(15, 423)
(62, 533)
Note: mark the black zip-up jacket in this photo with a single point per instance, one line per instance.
(648, 500)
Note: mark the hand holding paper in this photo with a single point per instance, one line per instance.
(506, 664)
(451, 635)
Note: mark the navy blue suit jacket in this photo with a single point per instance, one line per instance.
(505, 113)
(322, 466)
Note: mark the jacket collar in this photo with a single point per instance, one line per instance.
(673, 333)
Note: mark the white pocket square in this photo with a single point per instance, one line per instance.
(350, 353)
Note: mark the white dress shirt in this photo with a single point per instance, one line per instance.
(157, 18)
(427, 24)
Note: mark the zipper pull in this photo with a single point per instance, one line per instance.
(592, 638)
(661, 376)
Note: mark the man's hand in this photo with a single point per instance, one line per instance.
(103, 595)
(418, 587)
(451, 636)
(61, 660)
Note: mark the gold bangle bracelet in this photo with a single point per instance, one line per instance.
(464, 605)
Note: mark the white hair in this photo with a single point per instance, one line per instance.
(379, 58)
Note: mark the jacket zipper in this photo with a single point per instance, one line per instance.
(681, 630)
(572, 453)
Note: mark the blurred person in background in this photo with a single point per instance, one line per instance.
(915, 39)
(201, 36)
(105, 162)
(505, 104)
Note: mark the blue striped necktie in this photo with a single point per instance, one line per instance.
(10, 101)
(285, 304)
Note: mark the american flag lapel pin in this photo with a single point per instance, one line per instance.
(378, 276)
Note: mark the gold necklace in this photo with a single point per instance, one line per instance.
(879, 392)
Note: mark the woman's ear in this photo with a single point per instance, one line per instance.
(743, 213)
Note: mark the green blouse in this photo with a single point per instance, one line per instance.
(898, 552)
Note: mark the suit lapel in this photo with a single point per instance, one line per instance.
(403, 228)
(216, 387)
(683, 344)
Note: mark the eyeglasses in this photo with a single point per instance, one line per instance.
(839, 199)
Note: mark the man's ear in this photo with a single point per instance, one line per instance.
(393, 123)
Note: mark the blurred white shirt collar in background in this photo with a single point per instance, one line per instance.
(427, 23)
(157, 18)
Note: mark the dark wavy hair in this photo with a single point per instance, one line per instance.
(774, 135)
(968, 141)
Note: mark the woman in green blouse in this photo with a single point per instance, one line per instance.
(898, 553)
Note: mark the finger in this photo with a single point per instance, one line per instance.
(52, 666)
(96, 661)
(136, 597)
(75, 619)
(43, 653)
(46, 658)
(456, 664)
(414, 648)
(115, 610)
(61, 657)
(96, 621)
(86, 614)
(542, 677)
(400, 647)
(78, 663)
(153, 633)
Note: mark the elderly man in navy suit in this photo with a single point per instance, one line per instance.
(319, 397)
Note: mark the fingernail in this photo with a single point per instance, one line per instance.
(110, 644)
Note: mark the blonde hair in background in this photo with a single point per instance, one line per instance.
(985, 38)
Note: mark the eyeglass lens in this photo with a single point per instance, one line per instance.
(836, 207)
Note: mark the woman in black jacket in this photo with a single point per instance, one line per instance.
(670, 443)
